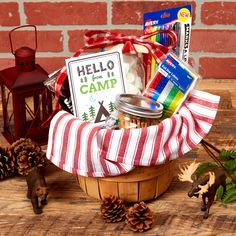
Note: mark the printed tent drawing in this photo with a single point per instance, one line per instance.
(88, 149)
(102, 113)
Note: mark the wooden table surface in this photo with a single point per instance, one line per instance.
(71, 212)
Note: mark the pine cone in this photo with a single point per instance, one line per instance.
(28, 154)
(7, 164)
(113, 209)
(139, 217)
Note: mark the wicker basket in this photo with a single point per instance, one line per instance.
(142, 183)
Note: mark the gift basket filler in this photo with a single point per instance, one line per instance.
(128, 111)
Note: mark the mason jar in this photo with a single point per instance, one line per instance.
(137, 111)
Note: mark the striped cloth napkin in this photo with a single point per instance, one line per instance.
(88, 149)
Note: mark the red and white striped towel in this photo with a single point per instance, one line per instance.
(87, 149)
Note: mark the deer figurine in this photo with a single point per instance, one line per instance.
(206, 186)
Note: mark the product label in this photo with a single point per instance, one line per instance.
(167, 16)
(184, 14)
(177, 73)
(177, 19)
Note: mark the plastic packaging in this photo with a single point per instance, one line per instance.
(171, 84)
(178, 19)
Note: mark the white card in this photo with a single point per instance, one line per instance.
(95, 80)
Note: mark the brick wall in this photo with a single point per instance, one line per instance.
(61, 24)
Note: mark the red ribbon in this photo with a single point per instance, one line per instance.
(100, 39)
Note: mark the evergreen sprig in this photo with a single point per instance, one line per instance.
(225, 159)
(230, 165)
(227, 154)
(205, 167)
(230, 196)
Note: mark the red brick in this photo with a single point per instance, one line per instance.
(128, 12)
(48, 41)
(218, 13)
(218, 67)
(213, 40)
(9, 15)
(76, 37)
(76, 40)
(51, 64)
(129, 32)
(66, 13)
(6, 63)
(5, 42)
(191, 61)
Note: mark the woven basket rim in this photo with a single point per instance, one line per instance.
(139, 173)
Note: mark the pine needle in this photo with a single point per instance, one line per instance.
(226, 155)
(230, 165)
(230, 196)
(205, 167)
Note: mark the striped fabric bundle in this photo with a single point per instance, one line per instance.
(88, 149)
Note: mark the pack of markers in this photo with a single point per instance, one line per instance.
(178, 19)
(173, 78)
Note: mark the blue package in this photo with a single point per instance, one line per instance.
(178, 19)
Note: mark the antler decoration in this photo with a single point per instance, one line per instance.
(211, 181)
(187, 171)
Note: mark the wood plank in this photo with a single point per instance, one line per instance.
(92, 187)
(108, 188)
(128, 191)
(81, 181)
(147, 189)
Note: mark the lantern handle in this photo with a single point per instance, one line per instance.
(10, 36)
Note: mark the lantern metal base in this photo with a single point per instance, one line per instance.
(41, 140)
(8, 137)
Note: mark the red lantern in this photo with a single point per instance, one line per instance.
(26, 102)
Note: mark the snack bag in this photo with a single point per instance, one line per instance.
(178, 19)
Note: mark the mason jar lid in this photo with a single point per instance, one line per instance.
(138, 105)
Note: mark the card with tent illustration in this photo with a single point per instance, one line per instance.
(95, 80)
